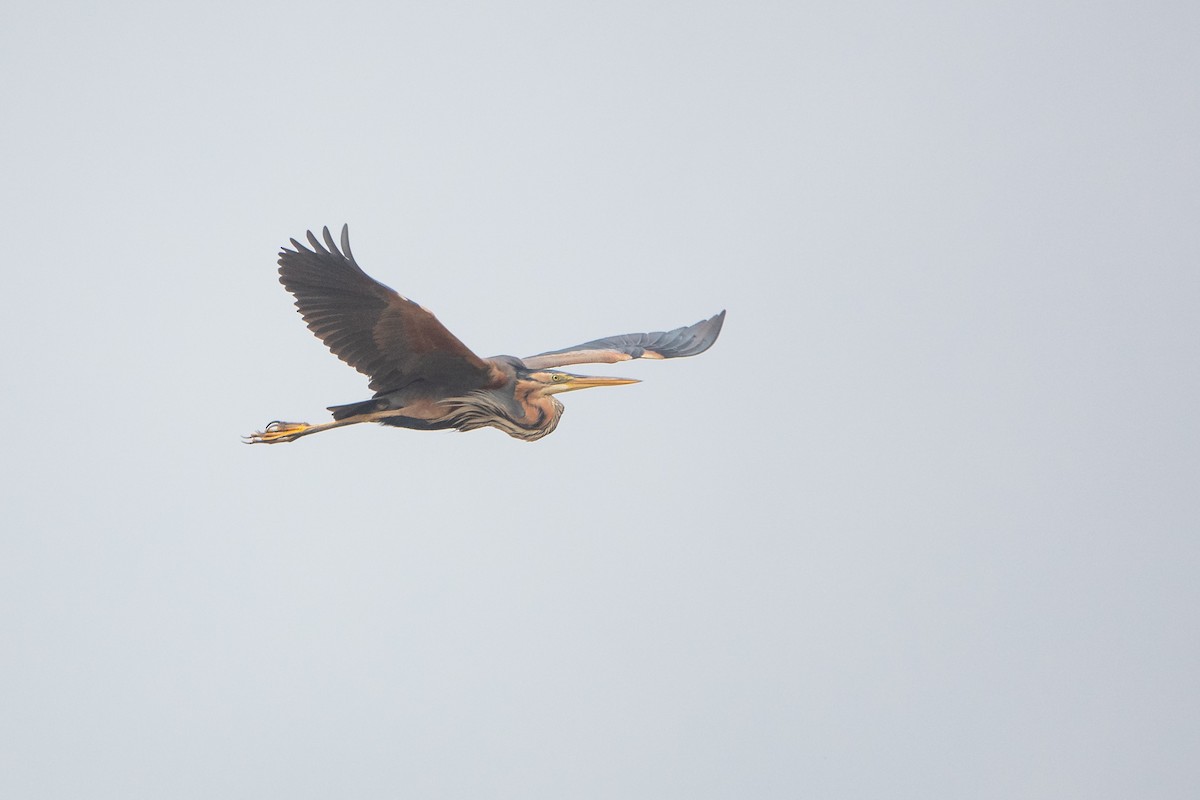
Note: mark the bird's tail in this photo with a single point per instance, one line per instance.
(353, 409)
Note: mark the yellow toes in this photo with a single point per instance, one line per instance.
(277, 432)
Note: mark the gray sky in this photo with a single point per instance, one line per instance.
(923, 523)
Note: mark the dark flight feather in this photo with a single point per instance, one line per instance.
(380, 333)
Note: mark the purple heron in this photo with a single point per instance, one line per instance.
(424, 377)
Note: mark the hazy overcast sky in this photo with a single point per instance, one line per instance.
(923, 523)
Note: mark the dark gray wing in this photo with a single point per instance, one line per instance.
(687, 341)
(383, 335)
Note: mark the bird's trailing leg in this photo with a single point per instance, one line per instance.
(279, 431)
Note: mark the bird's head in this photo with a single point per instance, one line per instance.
(552, 381)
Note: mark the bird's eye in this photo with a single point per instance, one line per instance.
(559, 378)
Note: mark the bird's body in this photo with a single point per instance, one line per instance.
(511, 400)
(424, 377)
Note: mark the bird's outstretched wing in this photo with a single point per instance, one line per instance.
(687, 341)
(380, 333)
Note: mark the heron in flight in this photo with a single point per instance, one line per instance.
(424, 377)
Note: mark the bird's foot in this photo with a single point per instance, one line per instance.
(277, 432)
